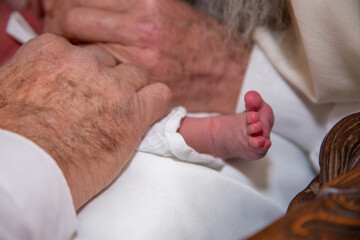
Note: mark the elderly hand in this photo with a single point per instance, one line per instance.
(87, 116)
(179, 45)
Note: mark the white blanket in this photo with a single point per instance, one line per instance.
(163, 198)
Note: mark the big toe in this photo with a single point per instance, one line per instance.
(253, 101)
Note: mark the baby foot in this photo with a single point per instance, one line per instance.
(259, 122)
(244, 135)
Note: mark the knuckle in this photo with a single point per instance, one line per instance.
(47, 37)
(51, 43)
(44, 40)
(44, 51)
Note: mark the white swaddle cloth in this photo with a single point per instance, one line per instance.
(164, 140)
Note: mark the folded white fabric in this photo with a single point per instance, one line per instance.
(164, 140)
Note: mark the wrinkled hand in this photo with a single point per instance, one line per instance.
(87, 116)
(179, 45)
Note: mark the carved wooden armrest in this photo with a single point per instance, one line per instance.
(329, 208)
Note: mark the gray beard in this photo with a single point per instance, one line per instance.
(243, 16)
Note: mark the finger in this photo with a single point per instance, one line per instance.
(134, 75)
(113, 5)
(156, 99)
(104, 57)
(96, 25)
(124, 54)
(152, 59)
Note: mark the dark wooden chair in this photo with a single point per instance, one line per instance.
(329, 208)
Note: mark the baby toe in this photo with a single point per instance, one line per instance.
(253, 101)
(256, 142)
(252, 117)
(267, 144)
(254, 128)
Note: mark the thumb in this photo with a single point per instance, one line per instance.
(156, 99)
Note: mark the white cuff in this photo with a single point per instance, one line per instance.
(163, 139)
(35, 199)
(18, 28)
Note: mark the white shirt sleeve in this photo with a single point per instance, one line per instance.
(35, 199)
(164, 140)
